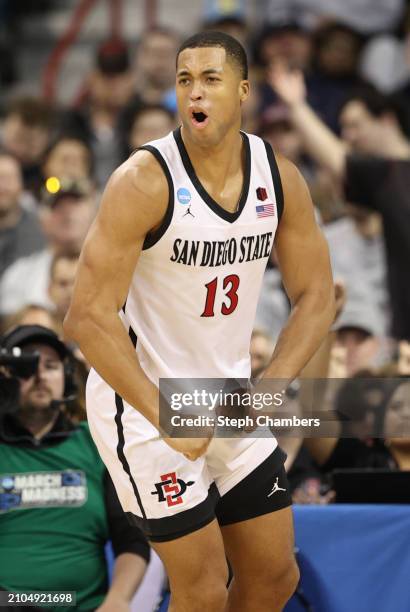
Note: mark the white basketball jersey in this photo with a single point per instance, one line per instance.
(192, 300)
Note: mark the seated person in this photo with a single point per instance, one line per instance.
(58, 506)
(373, 429)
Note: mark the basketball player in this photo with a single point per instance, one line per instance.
(162, 293)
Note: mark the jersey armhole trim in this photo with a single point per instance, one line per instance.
(152, 238)
(277, 183)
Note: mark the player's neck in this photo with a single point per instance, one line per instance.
(217, 162)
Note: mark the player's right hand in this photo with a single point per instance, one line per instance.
(191, 448)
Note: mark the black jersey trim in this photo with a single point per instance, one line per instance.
(213, 205)
(277, 183)
(153, 237)
(133, 337)
(180, 524)
(121, 440)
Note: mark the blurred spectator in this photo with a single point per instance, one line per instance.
(227, 17)
(109, 89)
(273, 306)
(62, 276)
(54, 474)
(334, 73)
(378, 179)
(20, 231)
(32, 314)
(404, 55)
(384, 63)
(66, 216)
(373, 124)
(337, 50)
(362, 348)
(26, 134)
(232, 24)
(374, 427)
(148, 122)
(358, 258)
(329, 58)
(277, 128)
(327, 193)
(367, 16)
(155, 64)
(68, 157)
(286, 41)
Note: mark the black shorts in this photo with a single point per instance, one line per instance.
(264, 490)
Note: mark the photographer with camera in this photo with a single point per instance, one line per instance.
(58, 506)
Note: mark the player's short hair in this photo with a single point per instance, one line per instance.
(233, 48)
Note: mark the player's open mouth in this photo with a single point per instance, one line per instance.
(199, 119)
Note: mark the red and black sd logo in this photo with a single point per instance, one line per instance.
(171, 489)
(261, 193)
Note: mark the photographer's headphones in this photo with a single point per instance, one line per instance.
(29, 334)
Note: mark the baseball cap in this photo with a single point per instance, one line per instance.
(22, 335)
(113, 57)
(55, 189)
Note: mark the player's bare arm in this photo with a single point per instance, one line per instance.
(306, 273)
(134, 203)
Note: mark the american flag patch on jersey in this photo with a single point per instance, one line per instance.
(265, 210)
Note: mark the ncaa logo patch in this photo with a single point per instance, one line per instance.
(183, 195)
(7, 482)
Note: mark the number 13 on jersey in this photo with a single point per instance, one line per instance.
(230, 285)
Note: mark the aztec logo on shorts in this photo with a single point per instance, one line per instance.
(171, 489)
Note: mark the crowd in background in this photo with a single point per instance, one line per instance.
(330, 90)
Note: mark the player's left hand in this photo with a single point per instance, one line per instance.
(114, 603)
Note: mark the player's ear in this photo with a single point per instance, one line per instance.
(244, 90)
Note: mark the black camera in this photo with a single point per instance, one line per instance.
(14, 365)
